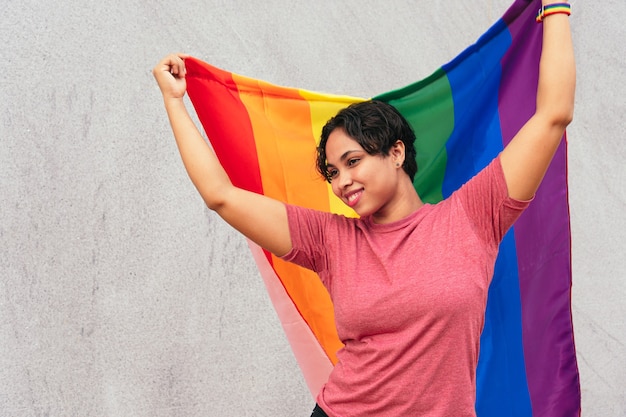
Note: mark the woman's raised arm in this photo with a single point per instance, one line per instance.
(527, 157)
(260, 218)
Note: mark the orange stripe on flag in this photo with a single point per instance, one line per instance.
(285, 143)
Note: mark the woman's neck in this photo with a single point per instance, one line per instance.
(405, 202)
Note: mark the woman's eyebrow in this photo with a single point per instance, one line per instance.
(343, 157)
(347, 153)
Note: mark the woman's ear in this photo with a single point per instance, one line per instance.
(397, 152)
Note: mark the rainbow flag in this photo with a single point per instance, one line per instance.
(463, 115)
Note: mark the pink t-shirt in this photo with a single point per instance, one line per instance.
(409, 299)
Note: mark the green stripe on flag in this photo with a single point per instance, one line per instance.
(429, 108)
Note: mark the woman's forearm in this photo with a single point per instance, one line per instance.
(557, 72)
(201, 163)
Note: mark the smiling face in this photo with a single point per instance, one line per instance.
(367, 154)
(376, 126)
(366, 183)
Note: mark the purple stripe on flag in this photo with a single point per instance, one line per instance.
(544, 265)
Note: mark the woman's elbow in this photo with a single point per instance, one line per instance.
(562, 119)
(213, 204)
(214, 197)
(565, 117)
(558, 116)
(557, 106)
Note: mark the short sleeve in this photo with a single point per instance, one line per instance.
(307, 230)
(486, 201)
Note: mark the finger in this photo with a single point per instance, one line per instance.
(177, 65)
(172, 64)
(182, 68)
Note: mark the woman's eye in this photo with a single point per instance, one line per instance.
(332, 173)
(352, 161)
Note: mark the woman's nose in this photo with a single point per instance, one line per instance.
(344, 179)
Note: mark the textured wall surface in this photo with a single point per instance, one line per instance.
(121, 295)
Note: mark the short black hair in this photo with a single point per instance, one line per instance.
(376, 126)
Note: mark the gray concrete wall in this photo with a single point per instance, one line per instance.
(121, 295)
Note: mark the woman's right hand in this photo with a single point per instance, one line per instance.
(170, 75)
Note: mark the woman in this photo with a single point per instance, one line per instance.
(408, 280)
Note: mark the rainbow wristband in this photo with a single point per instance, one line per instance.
(555, 8)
